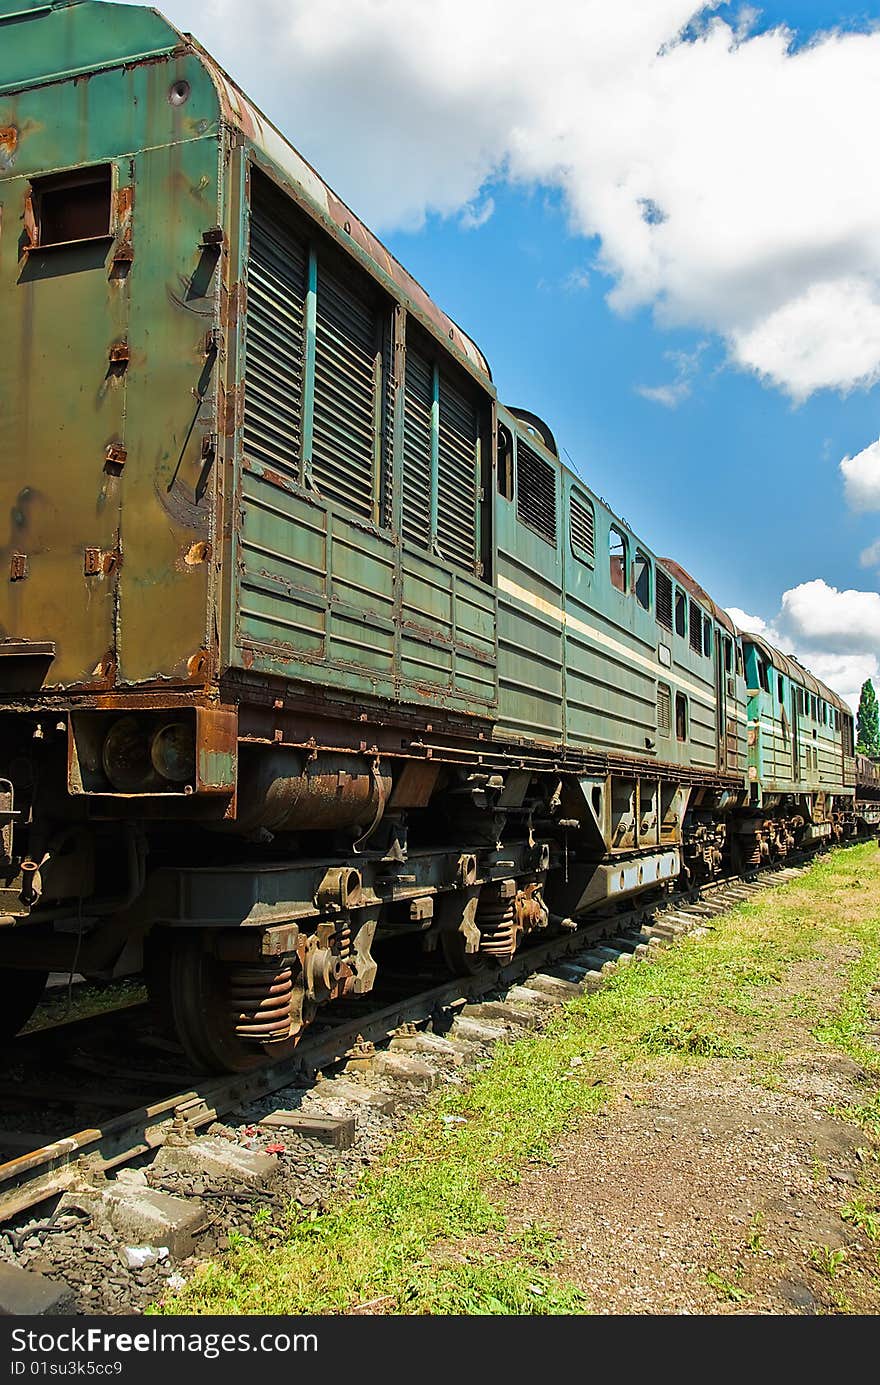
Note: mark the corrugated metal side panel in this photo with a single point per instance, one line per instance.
(446, 633)
(348, 362)
(611, 698)
(418, 392)
(531, 692)
(457, 477)
(275, 341)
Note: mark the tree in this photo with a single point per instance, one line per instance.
(868, 721)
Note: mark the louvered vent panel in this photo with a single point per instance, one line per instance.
(418, 394)
(457, 477)
(582, 527)
(535, 492)
(664, 709)
(696, 630)
(346, 349)
(276, 287)
(664, 600)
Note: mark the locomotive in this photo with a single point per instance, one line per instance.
(307, 640)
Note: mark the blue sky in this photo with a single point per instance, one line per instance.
(660, 220)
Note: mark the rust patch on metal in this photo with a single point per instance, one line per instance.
(197, 553)
(197, 665)
(8, 145)
(30, 221)
(18, 567)
(114, 458)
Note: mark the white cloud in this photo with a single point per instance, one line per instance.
(841, 621)
(755, 625)
(835, 634)
(861, 478)
(577, 280)
(686, 363)
(476, 214)
(730, 176)
(870, 557)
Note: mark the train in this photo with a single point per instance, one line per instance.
(308, 642)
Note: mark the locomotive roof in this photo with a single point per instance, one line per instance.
(239, 110)
(794, 669)
(699, 593)
(74, 42)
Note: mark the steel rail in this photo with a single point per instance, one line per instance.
(45, 1172)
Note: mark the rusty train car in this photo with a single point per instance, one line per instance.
(307, 641)
(867, 804)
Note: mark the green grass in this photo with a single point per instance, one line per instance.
(59, 1006)
(413, 1238)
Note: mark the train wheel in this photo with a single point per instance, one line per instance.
(20, 993)
(460, 962)
(227, 1018)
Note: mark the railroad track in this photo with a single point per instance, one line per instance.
(543, 974)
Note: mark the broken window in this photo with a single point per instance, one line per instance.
(505, 462)
(680, 613)
(681, 717)
(617, 558)
(71, 206)
(642, 579)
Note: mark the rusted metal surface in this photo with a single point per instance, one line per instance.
(284, 790)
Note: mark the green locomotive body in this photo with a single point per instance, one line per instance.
(305, 638)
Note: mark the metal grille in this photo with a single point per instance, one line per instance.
(664, 709)
(276, 287)
(418, 395)
(457, 476)
(581, 527)
(696, 629)
(348, 396)
(664, 600)
(535, 492)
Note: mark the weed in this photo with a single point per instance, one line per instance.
(827, 1261)
(691, 1040)
(754, 1239)
(866, 1217)
(725, 1288)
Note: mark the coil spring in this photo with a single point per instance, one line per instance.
(260, 1002)
(499, 929)
(753, 856)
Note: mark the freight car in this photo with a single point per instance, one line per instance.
(867, 804)
(306, 639)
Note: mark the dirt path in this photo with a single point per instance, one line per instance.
(730, 1185)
